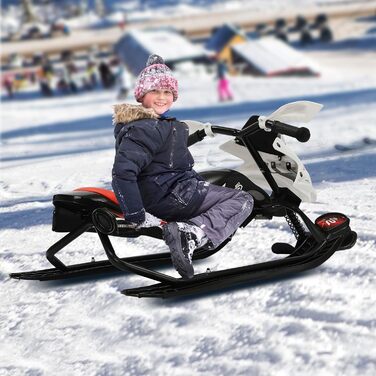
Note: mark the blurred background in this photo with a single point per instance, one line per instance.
(66, 47)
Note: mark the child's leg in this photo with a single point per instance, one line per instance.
(227, 89)
(222, 89)
(222, 212)
(218, 217)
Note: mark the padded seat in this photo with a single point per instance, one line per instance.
(73, 209)
(88, 198)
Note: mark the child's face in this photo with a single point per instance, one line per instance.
(159, 100)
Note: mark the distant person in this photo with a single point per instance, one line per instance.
(224, 92)
(326, 34)
(62, 83)
(33, 77)
(306, 37)
(122, 22)
(106, 75)
(92, 54)
(45, 83)
(66, 29)
(153, 173)
(45, 77)
(8, 84)
(15, 61)
(124, 81)
(19, 81)
(91, 73)
(47, 65)
(72, 76)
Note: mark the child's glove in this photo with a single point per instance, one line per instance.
(150, 221)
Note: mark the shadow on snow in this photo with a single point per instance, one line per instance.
(27, 218)
(343, 168)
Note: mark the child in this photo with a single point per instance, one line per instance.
(224, 92)
(153, 173)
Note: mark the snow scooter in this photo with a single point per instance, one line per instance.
(271, 172)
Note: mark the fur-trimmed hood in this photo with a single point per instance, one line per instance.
(125, 113)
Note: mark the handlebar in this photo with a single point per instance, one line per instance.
(214, 129)
(196, 137)
(302, 134)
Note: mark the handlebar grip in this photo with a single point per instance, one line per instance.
(302, 134)
(196, 137)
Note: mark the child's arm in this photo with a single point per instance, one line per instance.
(134, 153)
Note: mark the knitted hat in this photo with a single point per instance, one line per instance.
(156, 76)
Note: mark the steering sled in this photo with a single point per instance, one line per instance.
(271, 172)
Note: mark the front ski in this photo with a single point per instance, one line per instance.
(208, 282)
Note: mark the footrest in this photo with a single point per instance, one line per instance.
(282, 249)
(349, 241)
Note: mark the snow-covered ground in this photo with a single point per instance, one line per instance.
(319, 323)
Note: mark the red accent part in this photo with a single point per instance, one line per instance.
(331, 221)
(109, 195)
(103, 192)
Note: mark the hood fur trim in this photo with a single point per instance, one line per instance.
(125, 113)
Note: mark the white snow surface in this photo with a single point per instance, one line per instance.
(169, 44)
(271, 55)
(319, 323)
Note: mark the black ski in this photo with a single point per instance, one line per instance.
(203, 283)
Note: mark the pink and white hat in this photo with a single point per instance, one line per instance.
(156, 76)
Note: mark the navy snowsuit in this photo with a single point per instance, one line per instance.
(153, 171)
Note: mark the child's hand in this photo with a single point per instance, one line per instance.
(150, 221)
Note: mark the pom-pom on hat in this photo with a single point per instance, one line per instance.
(156, 76)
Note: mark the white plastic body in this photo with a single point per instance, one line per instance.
(300, 111)
(288, 171)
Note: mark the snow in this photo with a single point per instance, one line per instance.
(169, 43)
(270, 55)
(137, 45)
(319, 323)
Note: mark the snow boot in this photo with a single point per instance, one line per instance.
(183, 239)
